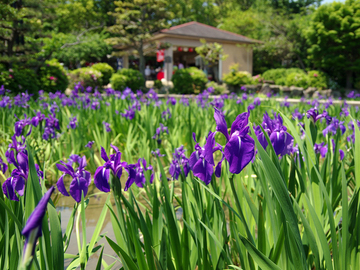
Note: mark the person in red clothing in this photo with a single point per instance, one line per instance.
(160, 75)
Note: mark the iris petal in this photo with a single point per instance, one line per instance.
(77, 186)
(221, 125)
(101, 179)
(61, 187)
(239, 151)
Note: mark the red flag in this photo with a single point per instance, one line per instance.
(160, 55)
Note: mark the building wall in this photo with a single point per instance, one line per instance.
(242, 55)
(237, 55)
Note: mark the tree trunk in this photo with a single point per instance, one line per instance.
(349, 75)
(142, 61)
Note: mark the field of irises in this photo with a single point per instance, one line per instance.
(232, 182)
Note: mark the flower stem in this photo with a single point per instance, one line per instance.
(241, 214)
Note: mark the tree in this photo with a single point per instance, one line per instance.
(334, 38)
(22, 27)
(136, 21)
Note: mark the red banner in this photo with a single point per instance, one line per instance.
(160, 55)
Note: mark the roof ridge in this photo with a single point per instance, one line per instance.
(209, 26)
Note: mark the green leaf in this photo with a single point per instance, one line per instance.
(57, 248)
(264, 262)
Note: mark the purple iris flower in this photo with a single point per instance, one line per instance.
(137, 174)
(171, 100)
(16, 183)
(351, 94)
(184, 101)
(281, 140)
(166, 114)
(81, 179)
(179, 160)
(32, 229)
(73, 122)
(297, 114)
(217, 103)
(5, 102)
(321, 149)
(341, 152)
(251, 107)
(17, 146)
(244, 96)
(286, 103)
(243, 88)
(152, 95)
(113, 163)
(89, 144)
(51, 124)
(157, 153)
(257, 101)
(39, 117)
(128, 114)
(314, 114)
(21, 124)
(240, 147)
(3, 166)
(202, 161)
(107, 126)
(334, 126)
(160, 130)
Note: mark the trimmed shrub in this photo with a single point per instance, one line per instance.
(19, 80)
(118, 81)
(87, 77)
(52, 77)
(198, 78)
(298, 79)
(189, 80)
(182, 81)
(218, 89)
(235, 79)
(106, 70)
(317, 79)
(134, 79)
(279, 75)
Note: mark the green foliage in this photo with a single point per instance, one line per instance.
(279, 75)
(118, 81)
(158, 84)
(237, 78)
(198, 78)
(87, 77)
(189, 80)
(182, 82)
(71, 50)
(52, 77)
(136, 21)
(218, 89)
(19, 80)
(134, 79)
(317, 79)
(211, 53)
(106, 70)
(334, 38)
(299, 79)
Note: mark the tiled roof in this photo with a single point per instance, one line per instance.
(200, 30)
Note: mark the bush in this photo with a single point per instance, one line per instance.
(19, 80)
(182, 81)
(218, 89)
(198, 78)
(317, 79)
(157, 84)
(298, 79)
(106, 70)
(87, 77)
(134, 79)
(279, 75)
(189, 80)
(118, 81)
(237, 78)
(52, 77)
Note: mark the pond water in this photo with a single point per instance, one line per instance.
(96, 203)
